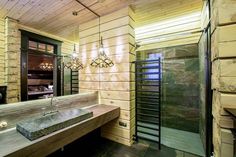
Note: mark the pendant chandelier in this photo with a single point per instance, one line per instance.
(46, 66)
(74, 63)
(102, 60)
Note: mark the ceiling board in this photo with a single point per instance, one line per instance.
(55, 16)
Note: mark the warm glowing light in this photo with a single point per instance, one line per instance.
(168, 29)
(101, 49)
(74, 55)
(102, 60)
(74, 63)
(46, 66)
(165, 37)
(159, 25)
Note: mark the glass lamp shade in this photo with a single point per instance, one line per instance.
(74, 55)
(46, 66)
(102, 61)
(74, 64)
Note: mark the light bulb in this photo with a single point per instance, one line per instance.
(101, 49)
(74, 55)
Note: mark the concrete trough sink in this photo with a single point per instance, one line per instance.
(43, 125)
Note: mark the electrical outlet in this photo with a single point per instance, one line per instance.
(122, 124)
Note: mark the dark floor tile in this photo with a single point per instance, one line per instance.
(139, 148)
(190, 155)
(152, 153)
(100, 147)
(153, 145)
(124, 154)
(179, 153)
(164, 152)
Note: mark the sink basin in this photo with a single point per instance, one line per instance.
(43, 125)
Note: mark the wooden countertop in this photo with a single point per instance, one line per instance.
(13, 144)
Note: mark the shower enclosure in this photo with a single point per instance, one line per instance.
(180, 96)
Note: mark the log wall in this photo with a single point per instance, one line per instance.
(115, 84)
(12, 60)
(2, 54)
(223, 31)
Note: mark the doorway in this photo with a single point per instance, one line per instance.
(40, 76)
(40, 66)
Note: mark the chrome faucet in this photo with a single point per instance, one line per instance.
(53, 107)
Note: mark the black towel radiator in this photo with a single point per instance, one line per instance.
(74, 82)
(148, 100)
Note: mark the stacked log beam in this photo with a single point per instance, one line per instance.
(223, 31)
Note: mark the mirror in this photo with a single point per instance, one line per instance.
(41, 73)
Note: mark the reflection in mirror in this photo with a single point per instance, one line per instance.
(37, 70)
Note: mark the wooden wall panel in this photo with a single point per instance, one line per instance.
(174, 41)
(117, 68)
(223, 42)
(119, 31)
(115, 84)
(117, 95)
(223, 74)
(176, 24)
(123, 104)
(12, 64)
(223, 13)
(126, 11)
(147, 14)
(114, 41)
(2, 54)
(223, 57)
(223, 141)
(113, 50)
(122, 123)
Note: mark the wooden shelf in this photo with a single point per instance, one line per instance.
(40, 93)
(39, 72)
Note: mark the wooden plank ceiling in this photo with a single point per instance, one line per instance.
(55, 16)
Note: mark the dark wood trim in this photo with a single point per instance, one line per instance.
(25, 37)
(209, 91)
(24, 68)
(40, 38)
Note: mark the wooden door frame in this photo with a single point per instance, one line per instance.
(25, 37)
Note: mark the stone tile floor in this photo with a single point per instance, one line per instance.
(105, 148)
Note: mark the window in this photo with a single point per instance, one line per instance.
(33, 45)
